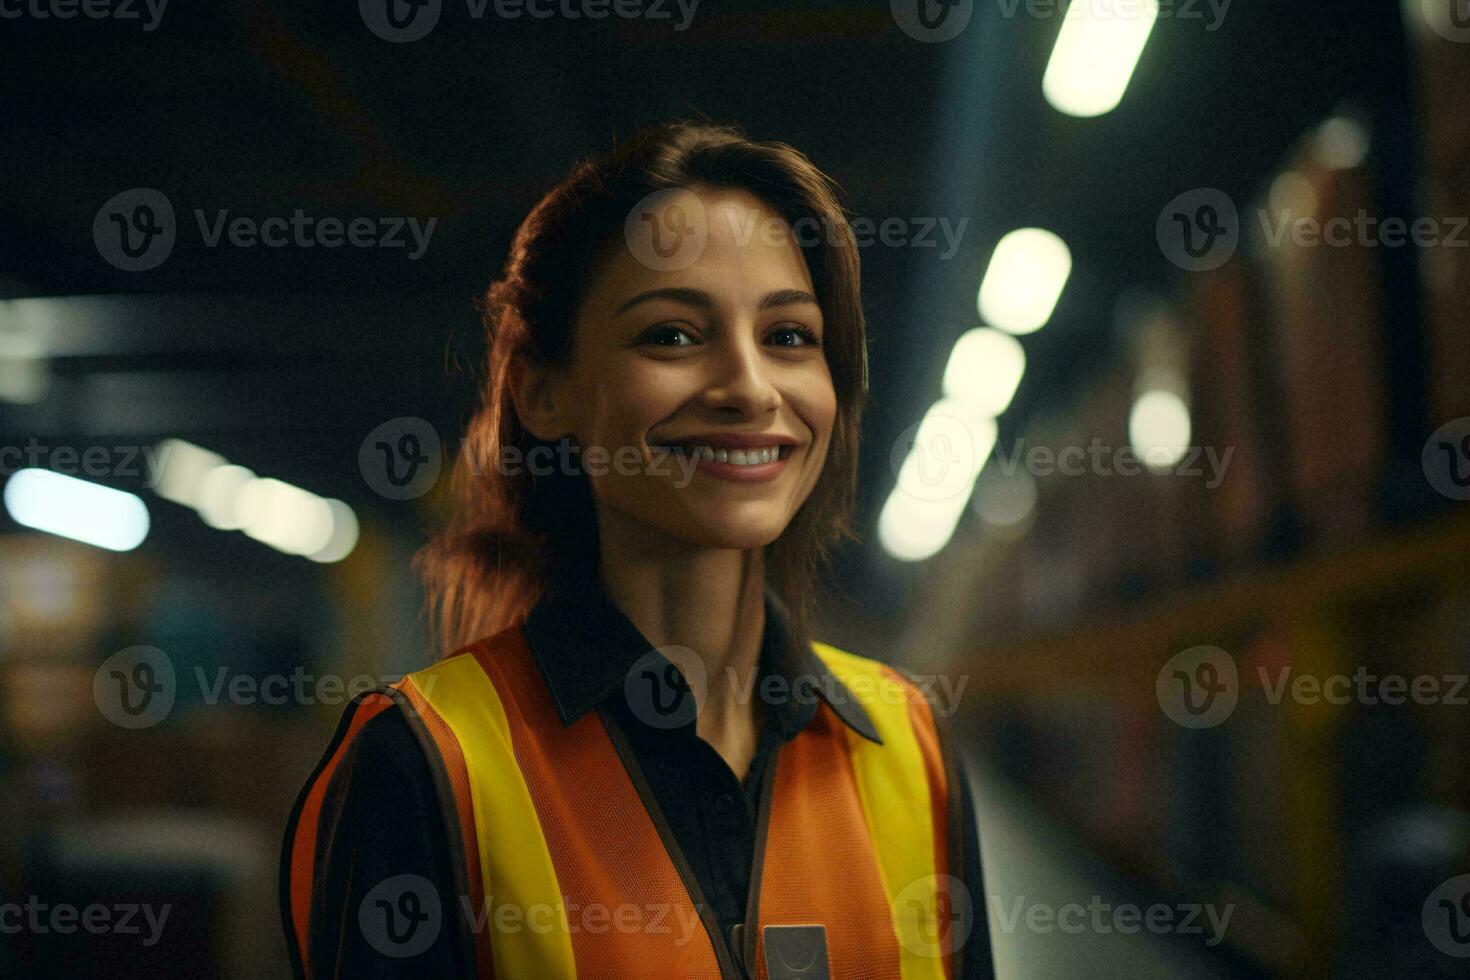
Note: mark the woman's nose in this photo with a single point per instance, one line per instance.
(740, 379)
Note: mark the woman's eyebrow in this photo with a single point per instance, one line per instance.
(787, 297)
(702, 300)
(679, 294)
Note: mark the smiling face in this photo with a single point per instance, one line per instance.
(728, 346)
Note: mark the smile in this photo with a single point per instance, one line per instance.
(750, 465)
(754, 456)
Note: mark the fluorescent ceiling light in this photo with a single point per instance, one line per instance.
(984, 370)
(76, 509)
(1025, 278)
(1158, 429)
(935, 480)
(1095, 54)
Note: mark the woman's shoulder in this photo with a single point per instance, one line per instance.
(502, 655)
(375, 760)
(369, 816)
(387, 743)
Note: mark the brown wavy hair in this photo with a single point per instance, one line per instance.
(487, 568)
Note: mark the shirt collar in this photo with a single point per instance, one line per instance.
(585, 646)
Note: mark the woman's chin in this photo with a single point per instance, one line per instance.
(738, 531)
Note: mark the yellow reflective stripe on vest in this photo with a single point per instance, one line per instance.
(515, 862)
(894, 789)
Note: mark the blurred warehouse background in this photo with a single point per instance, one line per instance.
(1164, 479)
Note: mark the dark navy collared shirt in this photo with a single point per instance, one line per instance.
(593, 659)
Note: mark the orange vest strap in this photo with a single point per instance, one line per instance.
(300, 860)
(299, 857)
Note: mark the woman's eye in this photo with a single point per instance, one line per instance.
(803, 336)
(668, 335)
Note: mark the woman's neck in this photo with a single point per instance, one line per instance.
(708, 600)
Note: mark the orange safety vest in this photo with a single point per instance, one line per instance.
(857, 848)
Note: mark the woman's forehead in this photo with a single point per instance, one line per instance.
(745, 252)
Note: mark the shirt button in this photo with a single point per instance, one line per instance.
(724, 803)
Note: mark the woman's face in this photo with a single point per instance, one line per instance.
(724, 348)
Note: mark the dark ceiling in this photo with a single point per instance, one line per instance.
(284, 358)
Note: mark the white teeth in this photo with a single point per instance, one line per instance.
(739, 457)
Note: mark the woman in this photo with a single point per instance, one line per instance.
(634, 762)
